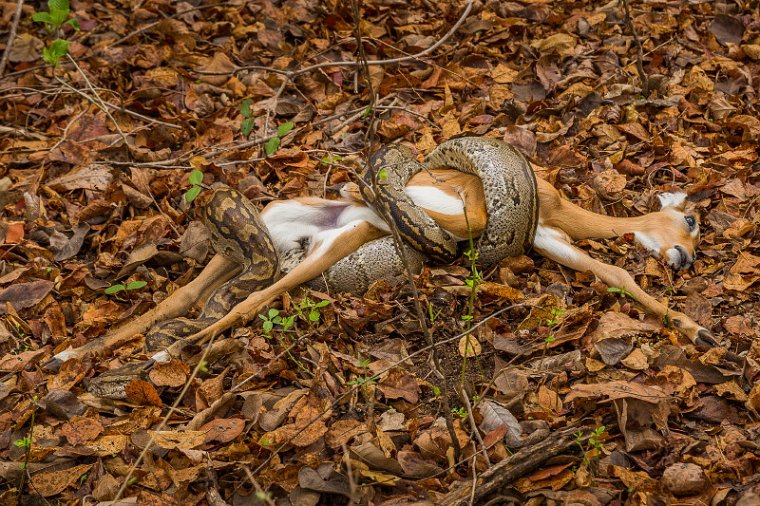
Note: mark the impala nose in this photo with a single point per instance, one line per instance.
(684, 260)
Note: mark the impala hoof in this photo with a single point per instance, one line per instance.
(705, 339)
(55, 363)
(52, 365)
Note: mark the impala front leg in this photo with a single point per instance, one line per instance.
(555, 245)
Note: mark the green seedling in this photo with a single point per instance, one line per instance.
(54, 19)
(272, 318)
(120, 287)
(196, 180)
(273, 144)
(460, 412)
(246, 126)
(309, 310)
(619, 291)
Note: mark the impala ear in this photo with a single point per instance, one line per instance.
(673, 200)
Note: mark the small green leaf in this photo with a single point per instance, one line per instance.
(246, 127)
(273, 312)
(58, 5)
(245, 108)
(42, 17)
(271, 146)
(55, 51)
(267, 326)
(327, 160)
(283, 129)
(196, 177)
(192, 193)
(314, 315)
(118, 287)
(136, 285)
(73, 23)
(322, 303)
(59, 17)
(382, 174)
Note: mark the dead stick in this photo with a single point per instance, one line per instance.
(11, 36)
(639, 61)
(519, 464)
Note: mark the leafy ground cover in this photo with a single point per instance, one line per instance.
(545, 386)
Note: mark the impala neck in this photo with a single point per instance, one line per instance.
(581, 224)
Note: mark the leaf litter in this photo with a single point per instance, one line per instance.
(345, 404)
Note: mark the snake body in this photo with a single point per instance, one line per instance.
(510, 191)
(238, 233)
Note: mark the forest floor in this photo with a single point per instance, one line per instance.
(110, 134)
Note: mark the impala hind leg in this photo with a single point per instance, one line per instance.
(556, 245)
(218, 271)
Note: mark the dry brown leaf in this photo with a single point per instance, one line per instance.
(50, 483)
(81, 429)
(141, 392)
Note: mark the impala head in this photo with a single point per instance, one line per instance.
(672, 233)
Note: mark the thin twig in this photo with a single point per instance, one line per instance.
(290, 74)
(164, 421)
(639, 61)
(22, 132)
(97, 100)
(471, 418)
(11, 36)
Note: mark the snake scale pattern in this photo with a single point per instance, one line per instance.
(237, 232)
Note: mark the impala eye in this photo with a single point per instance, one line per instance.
(691, 222)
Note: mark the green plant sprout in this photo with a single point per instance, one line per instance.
(554, 320)
(474, 280)
(432, 313)
(273, 144)
(120, 287)
(196, 180)
(246, 126)
(55, 19)
(24, 442)
(620, 291)
(363, 380)
(331, 159)
(309, 310)
(460, 412)
(272, 318)
(593, 443)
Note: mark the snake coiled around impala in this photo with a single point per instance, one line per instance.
(239, 234)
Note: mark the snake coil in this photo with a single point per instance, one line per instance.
(511, 199)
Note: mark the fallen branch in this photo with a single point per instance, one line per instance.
(519, 464)
(639, 60)
(290, 74)
(11, 36)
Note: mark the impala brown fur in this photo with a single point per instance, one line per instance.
(671, 234)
